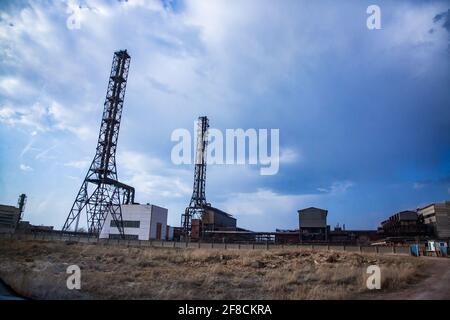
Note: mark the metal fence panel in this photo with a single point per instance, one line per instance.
(384, 250)
(371, 249)
(352, 248)
(337, 248)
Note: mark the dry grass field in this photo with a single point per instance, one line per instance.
(38, 270)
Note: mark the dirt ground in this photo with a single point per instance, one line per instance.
(37, 270)
(436, 286)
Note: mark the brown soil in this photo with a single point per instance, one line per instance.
(436, 286)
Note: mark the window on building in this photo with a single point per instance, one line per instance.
(127, 224)
(127, 236)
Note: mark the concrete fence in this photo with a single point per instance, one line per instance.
(399, 250)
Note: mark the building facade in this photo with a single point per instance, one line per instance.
(437, 216)
(9, 218)
(313, 224)
(215, 219)
(212, 220)
(404, 224)
(141, 222)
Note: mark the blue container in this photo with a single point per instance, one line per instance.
(414, 250)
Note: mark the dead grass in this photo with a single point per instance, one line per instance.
(38, 270)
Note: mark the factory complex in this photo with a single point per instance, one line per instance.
(110, 211)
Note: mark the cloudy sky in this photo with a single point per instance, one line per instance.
(364, 115)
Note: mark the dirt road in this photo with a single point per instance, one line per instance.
(434, 287)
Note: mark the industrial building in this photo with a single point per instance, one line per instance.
(429, 222)
(140, 222)
(215, 219)
(287, 236)
(339, 235)
(404, 224)
(9, 218)
(437, 217)
(313, 228)
(313, 224)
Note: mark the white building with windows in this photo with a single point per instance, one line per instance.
(141, 222)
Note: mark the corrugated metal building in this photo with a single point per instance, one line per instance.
(215, 219)
(141, 222)
(404, 223)
(437, 216)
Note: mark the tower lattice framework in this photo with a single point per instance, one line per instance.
(198, 201)
(101, 194)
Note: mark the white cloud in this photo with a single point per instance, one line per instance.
(45, 117)
(410, 26)
(78, 164)
(156, 181)
(336, 188)
(68, 119)
(289, 155)
(25, 167)
(24, 116)
(264, 209)
(265, 202)
(153, 177)
(9, 86)
(13, 87)
(201, 57)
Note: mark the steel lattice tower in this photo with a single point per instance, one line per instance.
(101, 193)
(198, 200)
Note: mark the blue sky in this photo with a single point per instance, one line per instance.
(364, 115)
